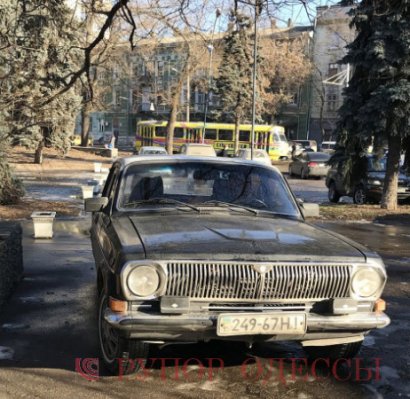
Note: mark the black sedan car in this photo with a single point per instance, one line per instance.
(192, 249)
(370, 187)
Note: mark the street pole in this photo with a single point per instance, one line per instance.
(188, 96)
(211, 51)
(255, 57)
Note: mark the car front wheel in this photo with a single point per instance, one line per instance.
(120, 355)
(359, 196)
(333, 352)
(333, 195)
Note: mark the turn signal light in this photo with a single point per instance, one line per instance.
(380, 305)
(116, 305)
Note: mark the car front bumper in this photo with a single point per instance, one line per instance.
(202, 326)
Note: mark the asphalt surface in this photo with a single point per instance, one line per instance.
(51, 321)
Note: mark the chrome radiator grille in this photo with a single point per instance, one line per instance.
(243, 282)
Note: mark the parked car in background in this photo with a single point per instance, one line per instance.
(199, 150)
(328, 146)
(308, 164)
(152, 151)
(196, 249)
(258, 155)
(307, 144)
(370, 187)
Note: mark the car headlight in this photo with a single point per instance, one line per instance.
(375, 182)
(143, 280)
(366, 282)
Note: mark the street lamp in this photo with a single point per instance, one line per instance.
(210, 48)
(258, 9)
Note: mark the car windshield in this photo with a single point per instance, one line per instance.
(376, 165)
(205, 184)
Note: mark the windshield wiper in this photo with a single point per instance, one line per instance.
(258, 212)
(231, 206)
(161, 201)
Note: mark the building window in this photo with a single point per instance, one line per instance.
(332, 102)
(333, 69)
(117, 98)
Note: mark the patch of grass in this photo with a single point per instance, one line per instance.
(24, 208)
(361, 212)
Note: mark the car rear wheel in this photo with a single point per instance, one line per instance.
(333, 195)
(333, 352)
(120, 355)
(359, 196)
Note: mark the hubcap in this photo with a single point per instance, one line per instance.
(359, 196)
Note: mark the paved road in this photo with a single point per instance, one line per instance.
(51, 321)
(312, 190)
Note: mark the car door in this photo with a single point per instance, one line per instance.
(102, 233)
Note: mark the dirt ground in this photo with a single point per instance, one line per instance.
(55, 167)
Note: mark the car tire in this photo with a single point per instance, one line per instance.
(359, 196)
(304, 174)
(333, 352)
(132, 354)
(332, 194)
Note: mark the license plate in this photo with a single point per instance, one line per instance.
(402, 189)
(266, 323)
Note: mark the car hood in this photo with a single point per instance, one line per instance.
(224, 236)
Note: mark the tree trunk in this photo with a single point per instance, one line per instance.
(85, 123)
(171, 125)
(237, 123)
(389, 200)
(176, 98)
(38, 155)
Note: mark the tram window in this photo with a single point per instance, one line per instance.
(160, 131)
(210, 134)
(179, 132)
(226, 135)
(244, 135)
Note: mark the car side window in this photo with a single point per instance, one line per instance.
(109, 188)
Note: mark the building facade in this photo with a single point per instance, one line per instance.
(332, 33)
(139, 87)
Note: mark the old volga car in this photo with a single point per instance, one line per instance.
(194, 249)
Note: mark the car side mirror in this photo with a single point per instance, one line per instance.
(309, 210)
(95, 204)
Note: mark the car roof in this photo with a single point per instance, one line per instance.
(124, 162)
(197, 145)
(152, 148)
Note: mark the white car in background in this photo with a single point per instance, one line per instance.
(199, 150)
(258, 155)
(152, 151)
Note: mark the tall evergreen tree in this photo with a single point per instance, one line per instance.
(377, 101)
(39, 55)
(234, 83)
